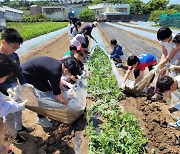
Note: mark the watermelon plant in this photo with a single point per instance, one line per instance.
(118, 133)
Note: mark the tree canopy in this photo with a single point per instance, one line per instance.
(87, 14)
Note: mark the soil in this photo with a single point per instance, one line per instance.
(61, 138)
(153, 116)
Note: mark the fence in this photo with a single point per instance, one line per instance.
(170, 20)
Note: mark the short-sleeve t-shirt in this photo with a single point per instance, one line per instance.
(67, 54)
(169, 47)
(145, 60)
(47, 69)
(178, 81)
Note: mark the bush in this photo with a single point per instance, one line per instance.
(154, 16)
(87, 14)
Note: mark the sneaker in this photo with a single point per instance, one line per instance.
(116, 63)
(44, 122)
(171, 110)
(19, 139)
(156, 97)
(25, 130)
(119, 65)
(174, 125)
(9, 150)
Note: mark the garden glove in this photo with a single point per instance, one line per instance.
(22, 105)
(27, 85)
(11, 93)
(172, 67)
(123, 85)
(70, 85)
(132, 85)
(157, 68)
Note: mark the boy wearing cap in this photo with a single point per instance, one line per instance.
(89, 28)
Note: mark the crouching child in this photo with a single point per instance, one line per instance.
(138, 64)
(117, 54)
(169, 84)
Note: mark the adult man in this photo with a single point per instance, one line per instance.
(89, 28)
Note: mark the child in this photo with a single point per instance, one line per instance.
(167, 83)
(45, 74)
(75, 29)
(65, 80)
(176, 41)
(139, 64)
(7, 68)
(170, 53)
(70, 28)
(79, 39)
(10, 42)
(117, 53)
(72, 49)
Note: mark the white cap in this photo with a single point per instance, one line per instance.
(95, 23)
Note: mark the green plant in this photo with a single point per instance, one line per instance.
(87, 14)
(119, 133)
(31, 30)
(154, 16)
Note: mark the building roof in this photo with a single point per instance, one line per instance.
(103, 5)
(2, 9)
(12, 9)
(51, 7)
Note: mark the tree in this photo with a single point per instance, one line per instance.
(157, 4)
(136, 6)
(156, 14)
(175, 7)
(87, 14)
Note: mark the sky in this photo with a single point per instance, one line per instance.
(170, 1)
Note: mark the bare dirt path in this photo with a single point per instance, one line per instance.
(153, 116)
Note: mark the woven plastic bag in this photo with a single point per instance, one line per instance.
(48, 106)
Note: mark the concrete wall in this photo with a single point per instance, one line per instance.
(12, 16)
(35, 9)
(125, 18)
(57, 13)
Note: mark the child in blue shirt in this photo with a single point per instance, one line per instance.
(117, 53)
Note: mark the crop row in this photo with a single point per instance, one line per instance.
(31, 30)
(118, 132)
